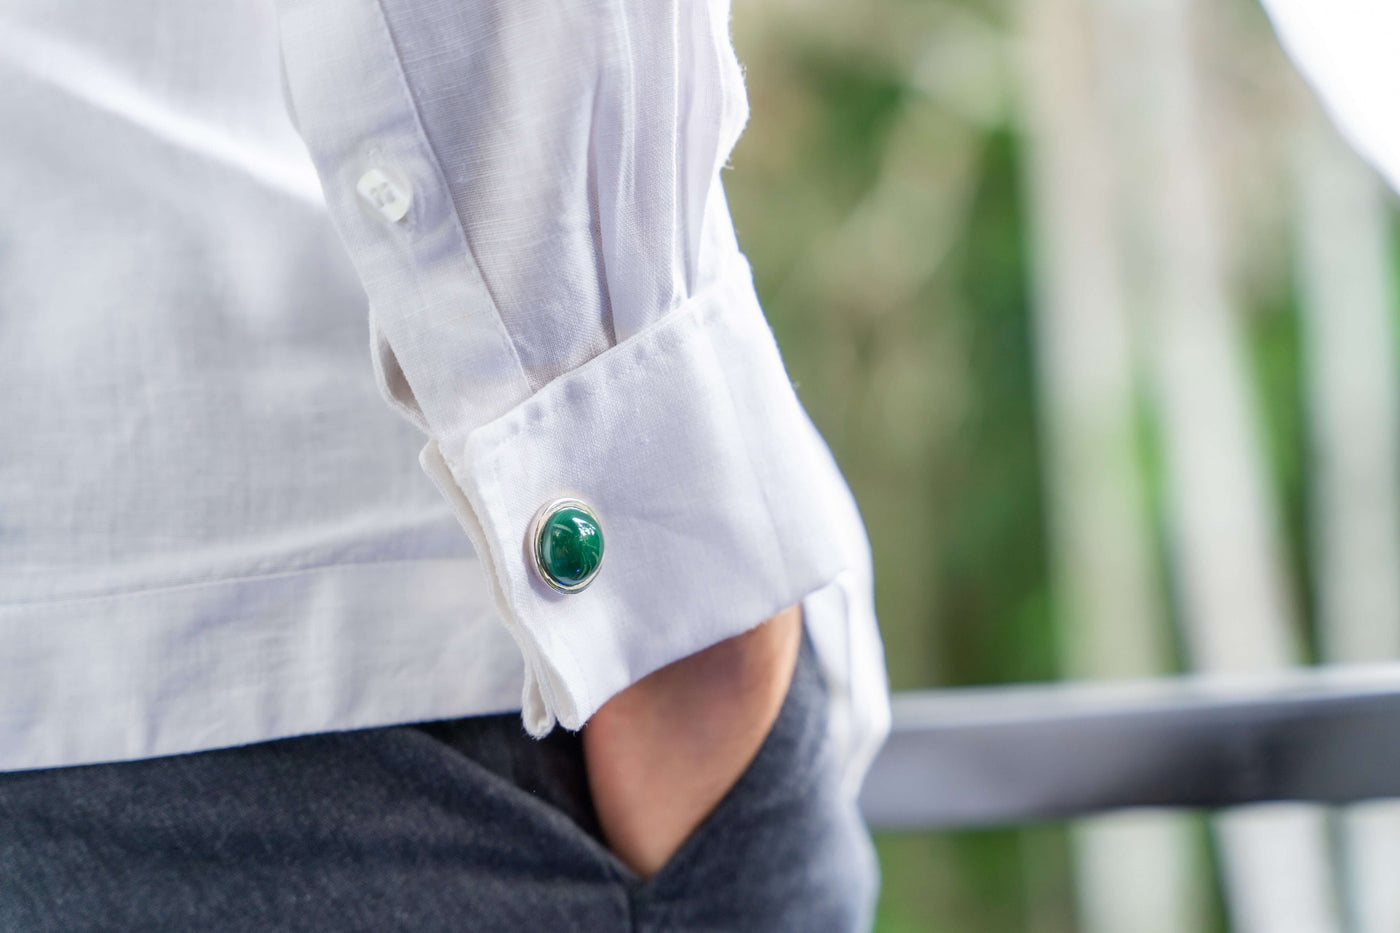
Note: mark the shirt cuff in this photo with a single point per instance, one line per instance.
(688, 442)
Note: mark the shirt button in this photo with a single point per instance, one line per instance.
(383, 194)
(566, 544)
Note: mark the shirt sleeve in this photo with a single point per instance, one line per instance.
(530, 193)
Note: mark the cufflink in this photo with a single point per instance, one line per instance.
(566, 545)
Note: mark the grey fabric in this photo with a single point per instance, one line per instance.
(460, 825)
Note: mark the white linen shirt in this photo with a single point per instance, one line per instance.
(212, 531)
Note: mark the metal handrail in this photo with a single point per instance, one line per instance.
(993, 756)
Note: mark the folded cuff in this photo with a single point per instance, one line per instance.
(691, 447)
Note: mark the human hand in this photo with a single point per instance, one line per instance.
(662, 753)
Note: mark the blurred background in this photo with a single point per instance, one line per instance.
(1098, 316)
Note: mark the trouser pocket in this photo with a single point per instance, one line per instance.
(784, 849)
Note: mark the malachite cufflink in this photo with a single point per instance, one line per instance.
(566, 544)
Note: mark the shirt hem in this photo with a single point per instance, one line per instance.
(226, 663)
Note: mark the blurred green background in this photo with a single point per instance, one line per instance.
(880, 192)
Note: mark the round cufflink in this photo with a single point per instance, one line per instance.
(566, 545)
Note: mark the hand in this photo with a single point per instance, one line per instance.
(662, 753)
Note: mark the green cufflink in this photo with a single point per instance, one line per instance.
(566, 542)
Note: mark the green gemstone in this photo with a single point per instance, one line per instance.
(570, 546)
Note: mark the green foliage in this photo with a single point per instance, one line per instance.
(994, 610)
(1275, 348)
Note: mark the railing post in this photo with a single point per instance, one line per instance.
(1222, 523)
(1138, 870)
(1348, 306)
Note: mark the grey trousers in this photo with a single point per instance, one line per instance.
(460, 825)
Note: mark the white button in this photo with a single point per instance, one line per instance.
(384, 195)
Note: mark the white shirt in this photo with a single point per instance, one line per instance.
(212, 529)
